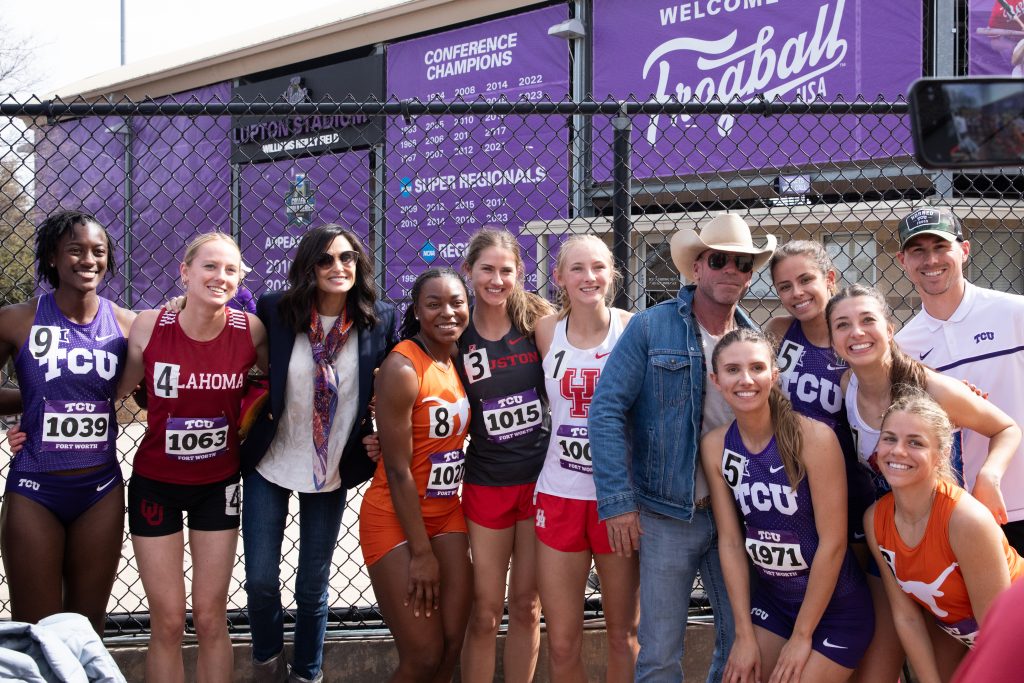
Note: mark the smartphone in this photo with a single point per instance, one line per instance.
(967, 122)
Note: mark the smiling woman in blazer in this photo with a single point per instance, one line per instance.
(327, 334)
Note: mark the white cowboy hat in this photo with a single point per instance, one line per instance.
(725, 232)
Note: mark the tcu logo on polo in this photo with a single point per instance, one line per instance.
(984, 336)
(577, 385)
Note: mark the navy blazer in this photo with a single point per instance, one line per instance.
(374, 345)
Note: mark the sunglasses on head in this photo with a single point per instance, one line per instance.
(346, 258)
(718, 260)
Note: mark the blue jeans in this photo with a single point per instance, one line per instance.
(671, 552)
(264, 515)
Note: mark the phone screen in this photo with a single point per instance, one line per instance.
(968, 123)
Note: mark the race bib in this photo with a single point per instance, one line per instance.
(574, 448)
(512, 416)
(776, 553)
(191, 439)
(964, 630)
(446, 470)
(76, 425)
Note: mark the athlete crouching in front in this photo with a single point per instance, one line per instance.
(778, 493)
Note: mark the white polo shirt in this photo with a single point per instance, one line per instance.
(982, 342)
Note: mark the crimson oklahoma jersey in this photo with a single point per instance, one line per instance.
(195, 390)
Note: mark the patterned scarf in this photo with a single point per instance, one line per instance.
(325, 387)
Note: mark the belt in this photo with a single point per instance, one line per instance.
(702, 503)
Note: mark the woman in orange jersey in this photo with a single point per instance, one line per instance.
(411, 528)
(947, 557)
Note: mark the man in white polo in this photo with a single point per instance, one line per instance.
(971, 333)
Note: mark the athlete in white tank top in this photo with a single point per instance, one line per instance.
(570, 377)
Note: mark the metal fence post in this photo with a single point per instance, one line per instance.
(622, 200)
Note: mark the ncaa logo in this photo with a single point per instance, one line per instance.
(405, 186)
(428, 252)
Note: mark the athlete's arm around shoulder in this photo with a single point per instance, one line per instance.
(906, 614)
(138, 339)
(259, 341)
(15, 325)
(977, 542)
(969, 410)
(544, 333)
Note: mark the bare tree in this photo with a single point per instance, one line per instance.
(16, 65)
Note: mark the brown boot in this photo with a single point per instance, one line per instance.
(274, 670)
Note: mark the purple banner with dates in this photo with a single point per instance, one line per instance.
(449, 175)
(724, 49)
(282, 199)
(996, 43)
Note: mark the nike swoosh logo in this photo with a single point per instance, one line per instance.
(103, 486)
(513, 342)
(837, 647)
(858, 536)
(773, 470)
(925, 354)
(104, 338)
(599, 356)
(829, 366)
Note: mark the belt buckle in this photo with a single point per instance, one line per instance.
(703, 503)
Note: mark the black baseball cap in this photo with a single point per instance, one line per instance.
(931, 221)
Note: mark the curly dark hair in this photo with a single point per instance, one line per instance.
(297, 303)
(49, 235)
(410, 325)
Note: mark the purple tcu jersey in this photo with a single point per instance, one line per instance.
(810, 376)
(68, 377)
(781, 537)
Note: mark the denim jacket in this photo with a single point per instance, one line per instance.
(646, 413)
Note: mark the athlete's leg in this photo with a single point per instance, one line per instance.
(160, 560)
(562, 581)
(419, 640)
(770, 644)
(883, 660)
(93, 554)
(492, 549)
(523, 642)
(821, 669)
(452, 552)
(32, 544)
(948, 650)
(213, 557)
(620, 600)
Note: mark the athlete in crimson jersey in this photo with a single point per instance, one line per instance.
(195, 390)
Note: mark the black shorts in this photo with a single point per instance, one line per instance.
(155, 508)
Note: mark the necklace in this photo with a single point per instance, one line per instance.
(444, 366)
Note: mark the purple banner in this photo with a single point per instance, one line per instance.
(281, 199)
(996, 44)
(182, 187)
(80, 166)
(726, 49)
(449, 175)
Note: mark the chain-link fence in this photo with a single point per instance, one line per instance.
(416, 179)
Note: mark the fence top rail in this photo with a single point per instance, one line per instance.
(407, 108)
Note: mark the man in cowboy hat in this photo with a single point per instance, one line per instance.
(649, 410)
(970, 333)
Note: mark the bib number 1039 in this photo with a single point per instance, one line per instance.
(79, 425)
